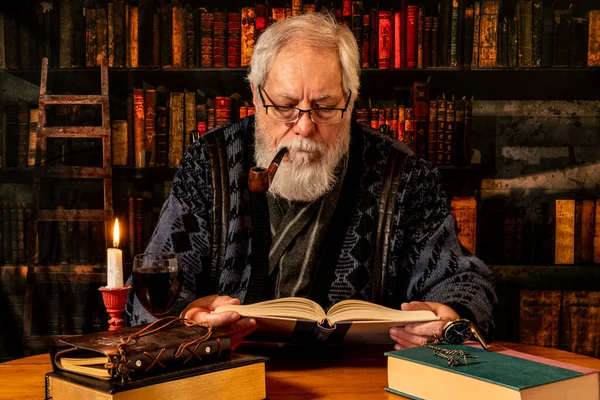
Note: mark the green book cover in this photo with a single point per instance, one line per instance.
(513, 372)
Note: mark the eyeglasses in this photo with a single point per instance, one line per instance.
(288, 114)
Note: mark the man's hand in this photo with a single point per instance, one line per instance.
(420, 333)
(229, 322)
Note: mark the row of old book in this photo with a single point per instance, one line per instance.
(566, 231)
(567, 320)
(14, 218)
(463, 33)
(438, 130)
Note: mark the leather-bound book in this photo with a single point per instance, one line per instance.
(409, 128)
(412, 26)
(513, 44)
(357, 22)
(138, 128)
(110, 38)
(450, 131)
(420, 103)
(460, 31)
(206, 38)
(130, 134)
(150, 127)
(584, 231)
(133, 31)
(579, 43)
(488, 34)
(260, 22)
(564, 236)
(464, 211)
(145, 32)
(101, 36)
(179, 37)
(476, 34)
(538, 28)
(580, 318)
(401, 123)
(467, 48)
(119, 142)
(441, 130)
(467, 133)
(547, 34)
(445, 31)
(156, 38)
(189, 106)
(248, 35)
(202, 117)
(524, 14)
(120, 33)
(432, 132)
(90, 37)
(66, 35)
(375, 118)
(382, 119)
(562, 37)
(190, 34)
(453, 57)
(222, 110)
(503, 43)
(31, 148)
(427, 41)
(397, 26)
(375, 38)
(394, 129)
(366, 42)
(459, 129)
(162, 153)
(166, 32)
(234, 39)
(420, 36)
(597, 233)
(539, 317)
(297, 7)
(219, 39)
(593, 54)
(210, 119)
(385, 40)
(22, 133)
(434, 41)
(176, 127)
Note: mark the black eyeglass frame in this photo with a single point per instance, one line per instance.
(300, 111)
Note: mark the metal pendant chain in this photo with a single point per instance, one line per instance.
(455, 358)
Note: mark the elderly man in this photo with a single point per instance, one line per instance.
(349, 214)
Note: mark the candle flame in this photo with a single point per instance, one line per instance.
(116, 233)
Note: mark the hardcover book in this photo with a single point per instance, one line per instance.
(295, 319)
(495, 376)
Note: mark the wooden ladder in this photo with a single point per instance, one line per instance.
(65, 276)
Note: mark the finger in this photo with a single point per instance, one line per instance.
(216, 320)
(243, 329)
(416, 305)
(403, 344)
(399, 334)
(426, 328)
(221, 301)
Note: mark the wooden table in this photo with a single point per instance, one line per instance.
(292, 372)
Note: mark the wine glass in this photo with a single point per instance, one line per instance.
(157, 281)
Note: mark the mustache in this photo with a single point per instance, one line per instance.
(301, 144)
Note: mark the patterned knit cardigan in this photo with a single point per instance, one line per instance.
(392, 236)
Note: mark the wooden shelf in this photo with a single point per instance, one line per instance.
(548, 277)
(16, 175)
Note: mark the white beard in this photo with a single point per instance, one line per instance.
(308, 171)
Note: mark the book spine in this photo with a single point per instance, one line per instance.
(538, 29)
(150, 127)
(503, 43)
(119, 33)
(248, 35)
(138, 127)
(190, 33)
(101, 36)
(366, 42)
(145, 32)
(459, 128)
(222, 110)
(432, 132)
(133, 30)
(155, 38)
(435, 41)
(579, 321)
(450, 131)
(119, 142)
(206, 38)
(385, 40)
(454, 35)
(562, 38)
(564, 232)
(539, 317)
(412, 22)
(579, 43)
(23, 133)
(409, 129)
(420, 104)
(33, 125)
(91, 37)
(220, 39)
(597, 233)
(202, 117)
(178, 37)
(420, 36)
(166, 32)
(587, 231)
(464, 211)
(357, 23)
(593, 52)
(427, 42)
(66, 34)
(176, 126)
(189, 99)
(375, 38)
(130, 134)
(476, 33)
(524, 15)
(445, 32)
(441, 130)
(488, 33)
(2, 49)
(460, 31)
(578, 231)
(234, 39)
(396, 43)
(161, 137)
(547, 35)
(401, 123)
(467, 132)
(110, 15)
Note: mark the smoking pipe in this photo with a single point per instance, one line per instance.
(259, 179)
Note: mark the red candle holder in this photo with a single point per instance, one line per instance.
(114, 301)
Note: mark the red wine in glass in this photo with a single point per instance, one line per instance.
(157, 281)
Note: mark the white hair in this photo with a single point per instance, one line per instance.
(319, 31)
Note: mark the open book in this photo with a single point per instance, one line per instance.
(298, 319)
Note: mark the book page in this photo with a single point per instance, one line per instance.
(289, 307)
(358, 310)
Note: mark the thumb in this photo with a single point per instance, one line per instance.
(415, 305)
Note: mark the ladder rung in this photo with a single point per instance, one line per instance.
(75, 172)
(73, 99)
(74, 215)
(73, 131)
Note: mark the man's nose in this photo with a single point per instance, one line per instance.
(304, 126)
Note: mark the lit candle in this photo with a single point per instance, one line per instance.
(114, 262)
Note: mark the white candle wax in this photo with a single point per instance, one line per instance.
(114, 268)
